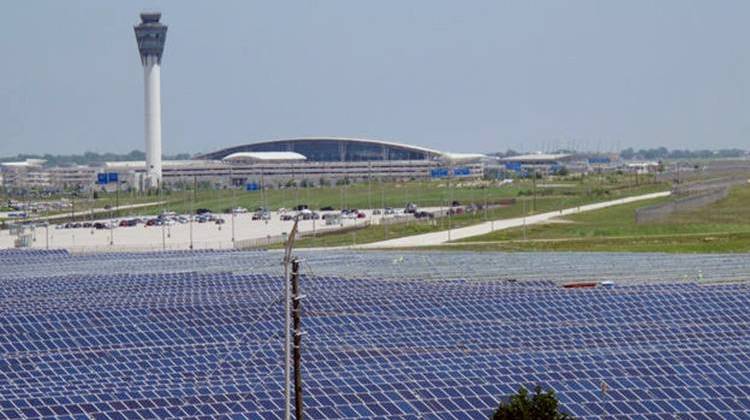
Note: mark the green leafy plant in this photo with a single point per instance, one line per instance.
(523, 406)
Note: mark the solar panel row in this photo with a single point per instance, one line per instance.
(207, 343)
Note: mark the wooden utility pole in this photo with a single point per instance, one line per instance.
(288, 322)
(297, 355)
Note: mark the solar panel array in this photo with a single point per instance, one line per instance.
(166, 341)
(631, 268)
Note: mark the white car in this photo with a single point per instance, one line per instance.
(239, 210)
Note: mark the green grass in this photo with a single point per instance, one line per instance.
(543, 204)
(720, 227)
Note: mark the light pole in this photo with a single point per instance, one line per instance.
(46, 228)
(192, 204)
(234, 204)
(163, 227)
(111, 228)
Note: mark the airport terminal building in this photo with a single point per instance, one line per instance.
(315, 160)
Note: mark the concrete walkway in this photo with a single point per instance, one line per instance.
(437, 238)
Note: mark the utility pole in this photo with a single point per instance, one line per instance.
(296, 315)
(288, 323)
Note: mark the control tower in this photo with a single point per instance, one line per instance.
(151, 35)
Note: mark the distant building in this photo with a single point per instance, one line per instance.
(543, 163)
(643, 167)
(277, 162)
(28, 174)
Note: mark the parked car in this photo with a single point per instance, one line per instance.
(410, 208)
(423, 215)
(286, 217)
(219, 221)
(100, 225)
(300, 207)
(361, 215)
(326, 208)
(123, 223)
(239, 210)
(376, 212)
(202, 211)
(389, 211)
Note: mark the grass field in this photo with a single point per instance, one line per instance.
(374, 194)
(564, 192)
(548, 202)
(720, 227)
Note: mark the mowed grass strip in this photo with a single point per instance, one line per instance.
(723, 226)
(523, 204)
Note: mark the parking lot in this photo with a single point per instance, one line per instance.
(182, 231)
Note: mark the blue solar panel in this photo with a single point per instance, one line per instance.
(172, 342)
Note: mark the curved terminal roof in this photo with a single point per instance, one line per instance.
(349, 149)
(265, 156)
(537, 157)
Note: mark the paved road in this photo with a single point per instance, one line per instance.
(437, 238)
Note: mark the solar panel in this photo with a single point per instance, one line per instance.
(185, 334)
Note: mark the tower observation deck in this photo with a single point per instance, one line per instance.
(151, 35)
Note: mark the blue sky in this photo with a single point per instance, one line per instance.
(471, 76)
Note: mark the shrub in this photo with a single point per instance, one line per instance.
(522, 406)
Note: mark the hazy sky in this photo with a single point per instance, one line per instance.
(470, 76)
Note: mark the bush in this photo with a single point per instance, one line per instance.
(540, 406)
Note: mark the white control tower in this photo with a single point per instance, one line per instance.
(151, 35)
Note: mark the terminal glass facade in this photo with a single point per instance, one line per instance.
(333, 150)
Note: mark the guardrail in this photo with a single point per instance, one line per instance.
(662, 211)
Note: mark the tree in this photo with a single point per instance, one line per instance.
(540, 406)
